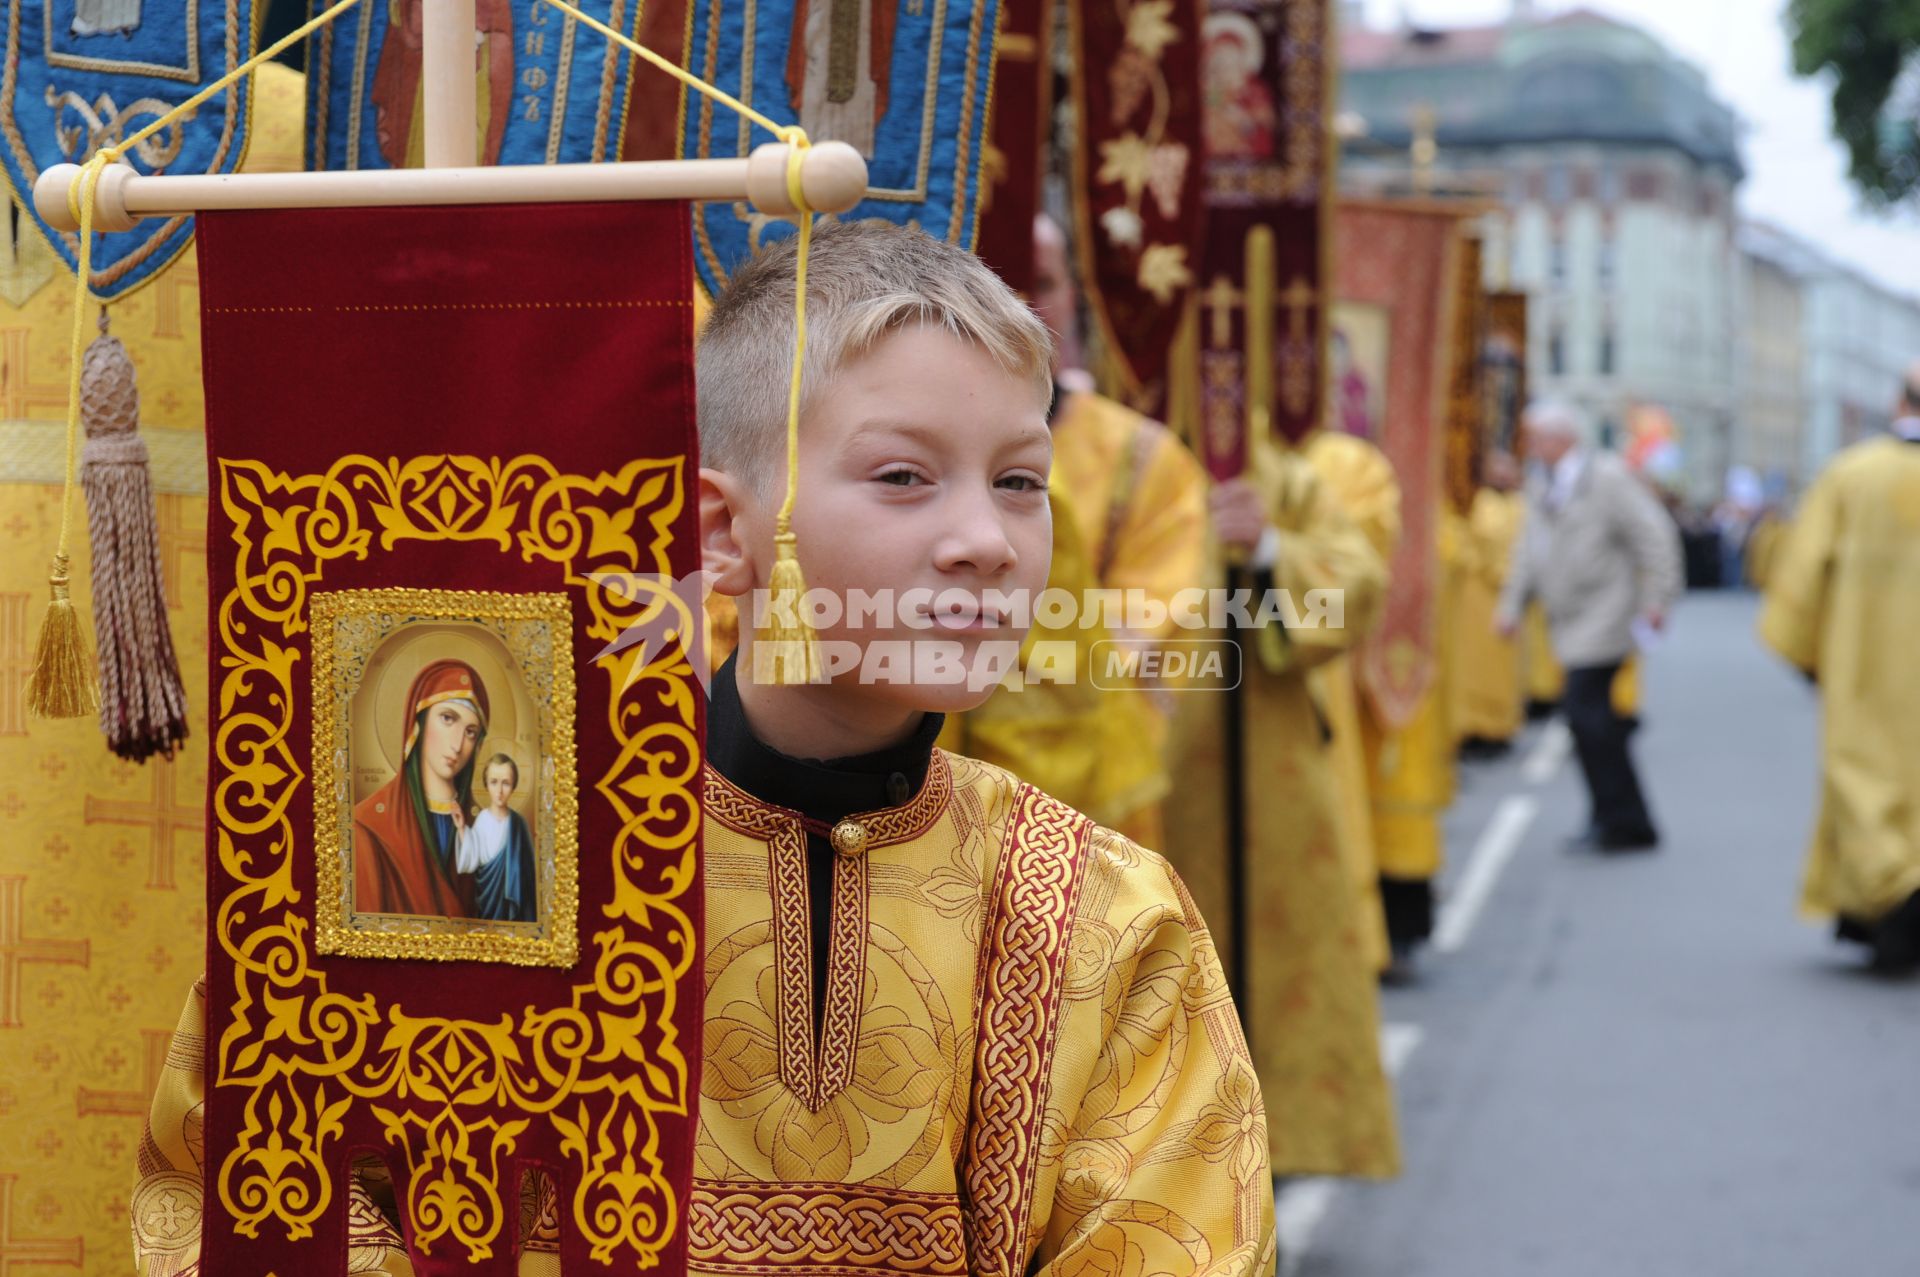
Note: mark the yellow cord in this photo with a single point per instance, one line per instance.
(783, 524)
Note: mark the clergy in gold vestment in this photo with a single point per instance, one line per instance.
(1308, 990)
(1488, 702)
(1361, 478)
(1843, 604)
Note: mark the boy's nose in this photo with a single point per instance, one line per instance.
(976, 539)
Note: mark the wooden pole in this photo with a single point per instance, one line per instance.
(449, 84)
(833, 177)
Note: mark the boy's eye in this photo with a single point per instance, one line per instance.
(901, 477)
(1022, 483)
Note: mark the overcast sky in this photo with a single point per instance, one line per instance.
(1796, 172)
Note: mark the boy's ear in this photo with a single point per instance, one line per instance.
(723, 551)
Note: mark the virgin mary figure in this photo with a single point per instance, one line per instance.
(407, 833)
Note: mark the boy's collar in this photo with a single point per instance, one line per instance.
(823, 789)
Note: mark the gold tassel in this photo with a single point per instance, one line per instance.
(61, 685)
(786, 651)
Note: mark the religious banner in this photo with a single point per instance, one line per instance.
(1268, 156)
(548, 90)
(904, 82)
(1466, 393)
(1137, 180)
(1504, 375)
(1394, 337)
(85, 74)
(1020, 126)
(453, 875)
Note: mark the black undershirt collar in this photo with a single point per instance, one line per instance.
(822, 791)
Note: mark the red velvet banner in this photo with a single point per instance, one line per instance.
(453, 874)
(1261, 271)
(1136, 181)
(1398, 273)
(1022, 110)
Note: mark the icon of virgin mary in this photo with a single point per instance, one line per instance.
(407, 833)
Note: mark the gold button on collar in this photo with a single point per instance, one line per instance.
(849, 838)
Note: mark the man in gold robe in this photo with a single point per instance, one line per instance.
(1272, 870)
(1359, 476)
(1843, 605)
(1487, 704)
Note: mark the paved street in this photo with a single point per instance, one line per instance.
(1646, 1066)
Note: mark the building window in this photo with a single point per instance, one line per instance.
(1559, 184)
(1607, 351)
(1557, 352)
(1558, 263)
(1610, 184)
(1607, 262)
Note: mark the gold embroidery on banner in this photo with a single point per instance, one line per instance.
(601, 1067)
(348, 626)
(838, 1228)
(1022, 978)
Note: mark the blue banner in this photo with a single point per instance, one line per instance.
(83, 74)
(549, 91)
(904, 82)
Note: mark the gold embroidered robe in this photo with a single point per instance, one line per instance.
(1486, 665)
(1843, 604)
(1029, 1062)
(1129, 513)
(1029, 1058)
(1310, 997)
(1361, 478)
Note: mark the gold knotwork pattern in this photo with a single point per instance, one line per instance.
(1022, 979)
(456, 1095)
(764, 1228)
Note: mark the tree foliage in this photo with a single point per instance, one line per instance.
(1871, 50)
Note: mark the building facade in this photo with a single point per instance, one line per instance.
(1615, 171)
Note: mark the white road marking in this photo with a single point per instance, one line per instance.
(1488, 858)
(1298, 1210)
(1554, 745)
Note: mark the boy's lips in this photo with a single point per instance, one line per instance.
(966, 617)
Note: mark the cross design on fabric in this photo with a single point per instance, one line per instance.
(16, 951)
(20, 394)
(163, 816)
(16, 661)
(89, 1102)
(18, 1253)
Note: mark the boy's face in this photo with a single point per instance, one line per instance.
(922, 467)
(499, 784)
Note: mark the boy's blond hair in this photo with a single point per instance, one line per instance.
(864, 280)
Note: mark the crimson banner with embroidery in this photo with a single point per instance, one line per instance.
(453, 874)
(1136, 181)
(1466, 394)
(1018, 128)
(1262, 319)
(1397, 276)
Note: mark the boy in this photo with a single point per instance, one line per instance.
(952, 1026)
(931, 988)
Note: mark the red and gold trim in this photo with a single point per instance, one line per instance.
(1022, 974)
(824, 1229)
(816, 1072)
